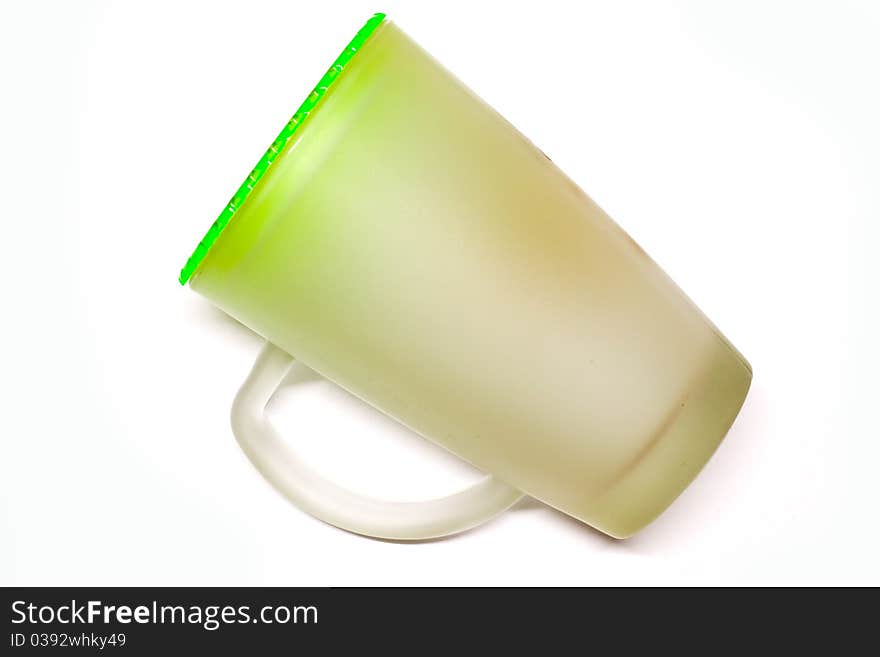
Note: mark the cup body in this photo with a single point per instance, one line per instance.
(411, 246)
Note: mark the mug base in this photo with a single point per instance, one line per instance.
(682, 447)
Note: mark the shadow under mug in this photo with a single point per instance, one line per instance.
(406, 242)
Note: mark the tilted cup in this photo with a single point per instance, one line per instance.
(406, 242)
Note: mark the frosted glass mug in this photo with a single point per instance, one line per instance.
(406, 242)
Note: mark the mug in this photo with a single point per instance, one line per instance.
(407, 243)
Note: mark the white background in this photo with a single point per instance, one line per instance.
(738, 142)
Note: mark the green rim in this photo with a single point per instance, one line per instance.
(277, 147)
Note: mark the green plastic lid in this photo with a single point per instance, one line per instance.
(277, 146)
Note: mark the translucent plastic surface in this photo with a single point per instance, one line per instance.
(413, 247)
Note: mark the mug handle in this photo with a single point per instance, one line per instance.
(338, 506)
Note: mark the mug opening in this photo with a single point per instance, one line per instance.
(278, 146)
